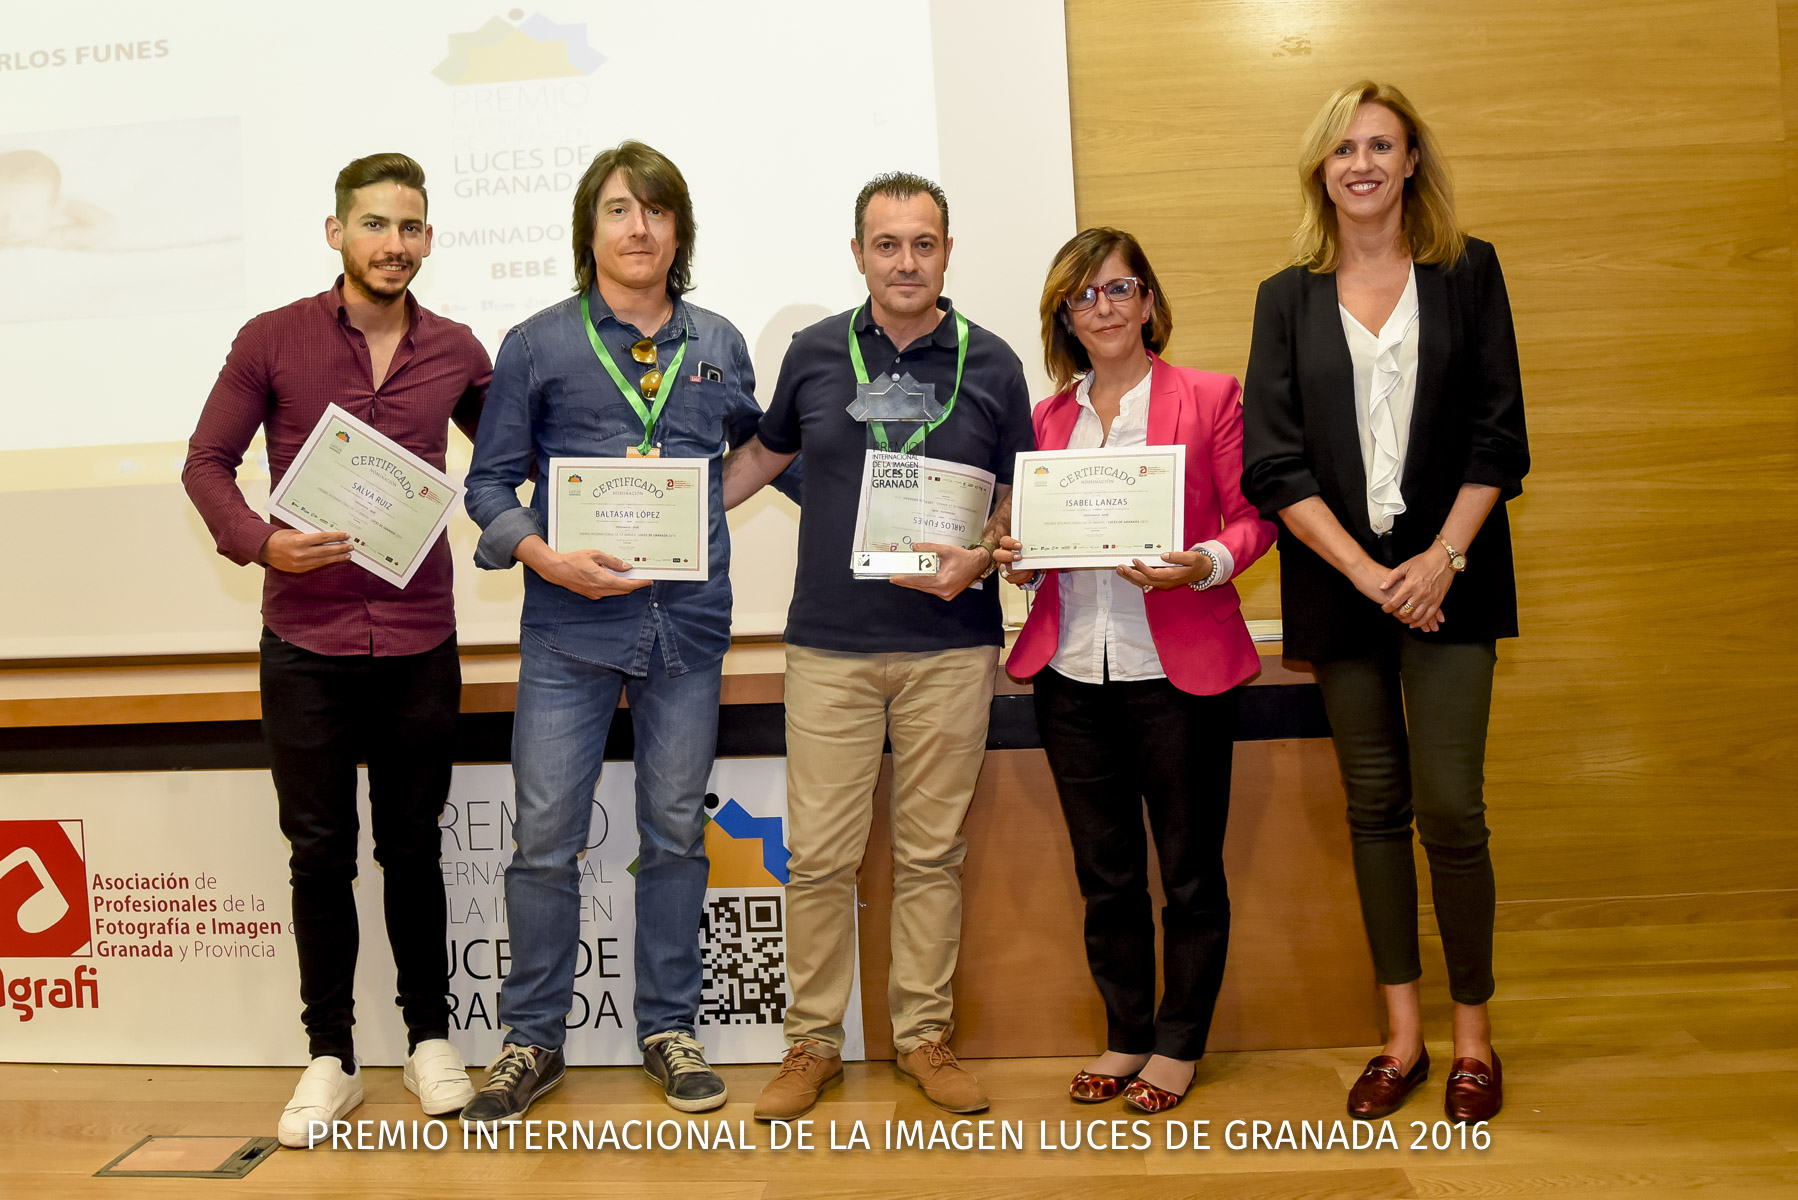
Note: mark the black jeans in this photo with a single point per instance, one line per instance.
(1113, 746)
(321, 715)
(1409, 725)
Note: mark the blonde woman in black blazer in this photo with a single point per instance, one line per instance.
(1383, 430)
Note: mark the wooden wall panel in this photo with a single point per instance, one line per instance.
(1635, 167)
(1788, 74)
(1221, 82)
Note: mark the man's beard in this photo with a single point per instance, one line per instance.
(375, 286)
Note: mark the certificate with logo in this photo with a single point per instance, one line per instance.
(654, 513)
(1099, 508)
(907, 499)
(352, 477)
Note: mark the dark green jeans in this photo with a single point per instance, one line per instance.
(1409, 725)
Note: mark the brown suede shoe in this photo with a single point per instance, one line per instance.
(1475, 1091)
(946, 1083)
(1381, 1089)
(803, 1075)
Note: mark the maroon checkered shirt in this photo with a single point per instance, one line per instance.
(283, 369)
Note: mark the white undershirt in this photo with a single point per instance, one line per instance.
(1103, 619)
(1385, 387)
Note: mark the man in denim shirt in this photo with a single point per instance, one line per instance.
(589, 633)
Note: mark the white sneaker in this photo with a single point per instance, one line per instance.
(324, 1095)
(436, 1074)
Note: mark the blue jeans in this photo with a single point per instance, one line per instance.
(565, 708)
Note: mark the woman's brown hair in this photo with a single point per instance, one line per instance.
(1073, 269)
(1430, 228)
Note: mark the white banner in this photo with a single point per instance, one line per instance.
(145, 918)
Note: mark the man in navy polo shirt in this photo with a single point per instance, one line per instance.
(624, 367)
(910, 659)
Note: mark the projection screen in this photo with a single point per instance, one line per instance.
(169, 170)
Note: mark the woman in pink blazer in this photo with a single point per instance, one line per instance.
(1135, 670)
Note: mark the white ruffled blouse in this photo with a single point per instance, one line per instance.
(1104, 621)
(1385, 387)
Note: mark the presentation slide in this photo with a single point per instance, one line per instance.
(165, 173)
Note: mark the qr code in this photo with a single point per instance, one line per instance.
(744, 943)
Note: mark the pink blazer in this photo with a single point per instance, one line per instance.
(1204, 646)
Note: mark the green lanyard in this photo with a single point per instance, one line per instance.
(634, 398)
(861, 376)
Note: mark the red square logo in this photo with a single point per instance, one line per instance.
(43, 890)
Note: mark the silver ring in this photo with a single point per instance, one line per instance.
(1407, 607)
(1147, 589)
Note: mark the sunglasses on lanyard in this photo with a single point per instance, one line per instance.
(645, 352)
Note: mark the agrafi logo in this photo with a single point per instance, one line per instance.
(516, 48)
(26, 994)
(43, 890)
(44, 914)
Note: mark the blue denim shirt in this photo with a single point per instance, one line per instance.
(551, 398)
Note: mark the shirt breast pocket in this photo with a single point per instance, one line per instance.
(585, 422)
(692, 422)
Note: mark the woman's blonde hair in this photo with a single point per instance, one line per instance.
(1429, 227)
(1073, 269)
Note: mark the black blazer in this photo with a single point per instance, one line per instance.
(1300, 440)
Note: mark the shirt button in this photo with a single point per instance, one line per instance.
(655, 604)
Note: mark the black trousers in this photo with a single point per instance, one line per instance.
(1114, 747)
(321, 715)
(1409, 724)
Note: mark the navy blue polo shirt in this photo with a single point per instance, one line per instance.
(832, 610)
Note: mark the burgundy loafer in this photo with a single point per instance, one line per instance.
(1384, 1086)
(1475, 1091)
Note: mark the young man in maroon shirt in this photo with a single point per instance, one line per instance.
(354, 669)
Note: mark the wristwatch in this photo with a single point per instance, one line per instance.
(1457, 562)
(989, 546)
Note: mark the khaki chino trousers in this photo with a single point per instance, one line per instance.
(841, 709)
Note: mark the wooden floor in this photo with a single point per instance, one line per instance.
(1650, 1046)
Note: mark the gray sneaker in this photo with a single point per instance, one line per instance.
(677, 1061)
(514, 1080)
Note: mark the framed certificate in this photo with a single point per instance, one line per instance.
(351, 476)
(1099, 508)
(907, 499)
(654, 513)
